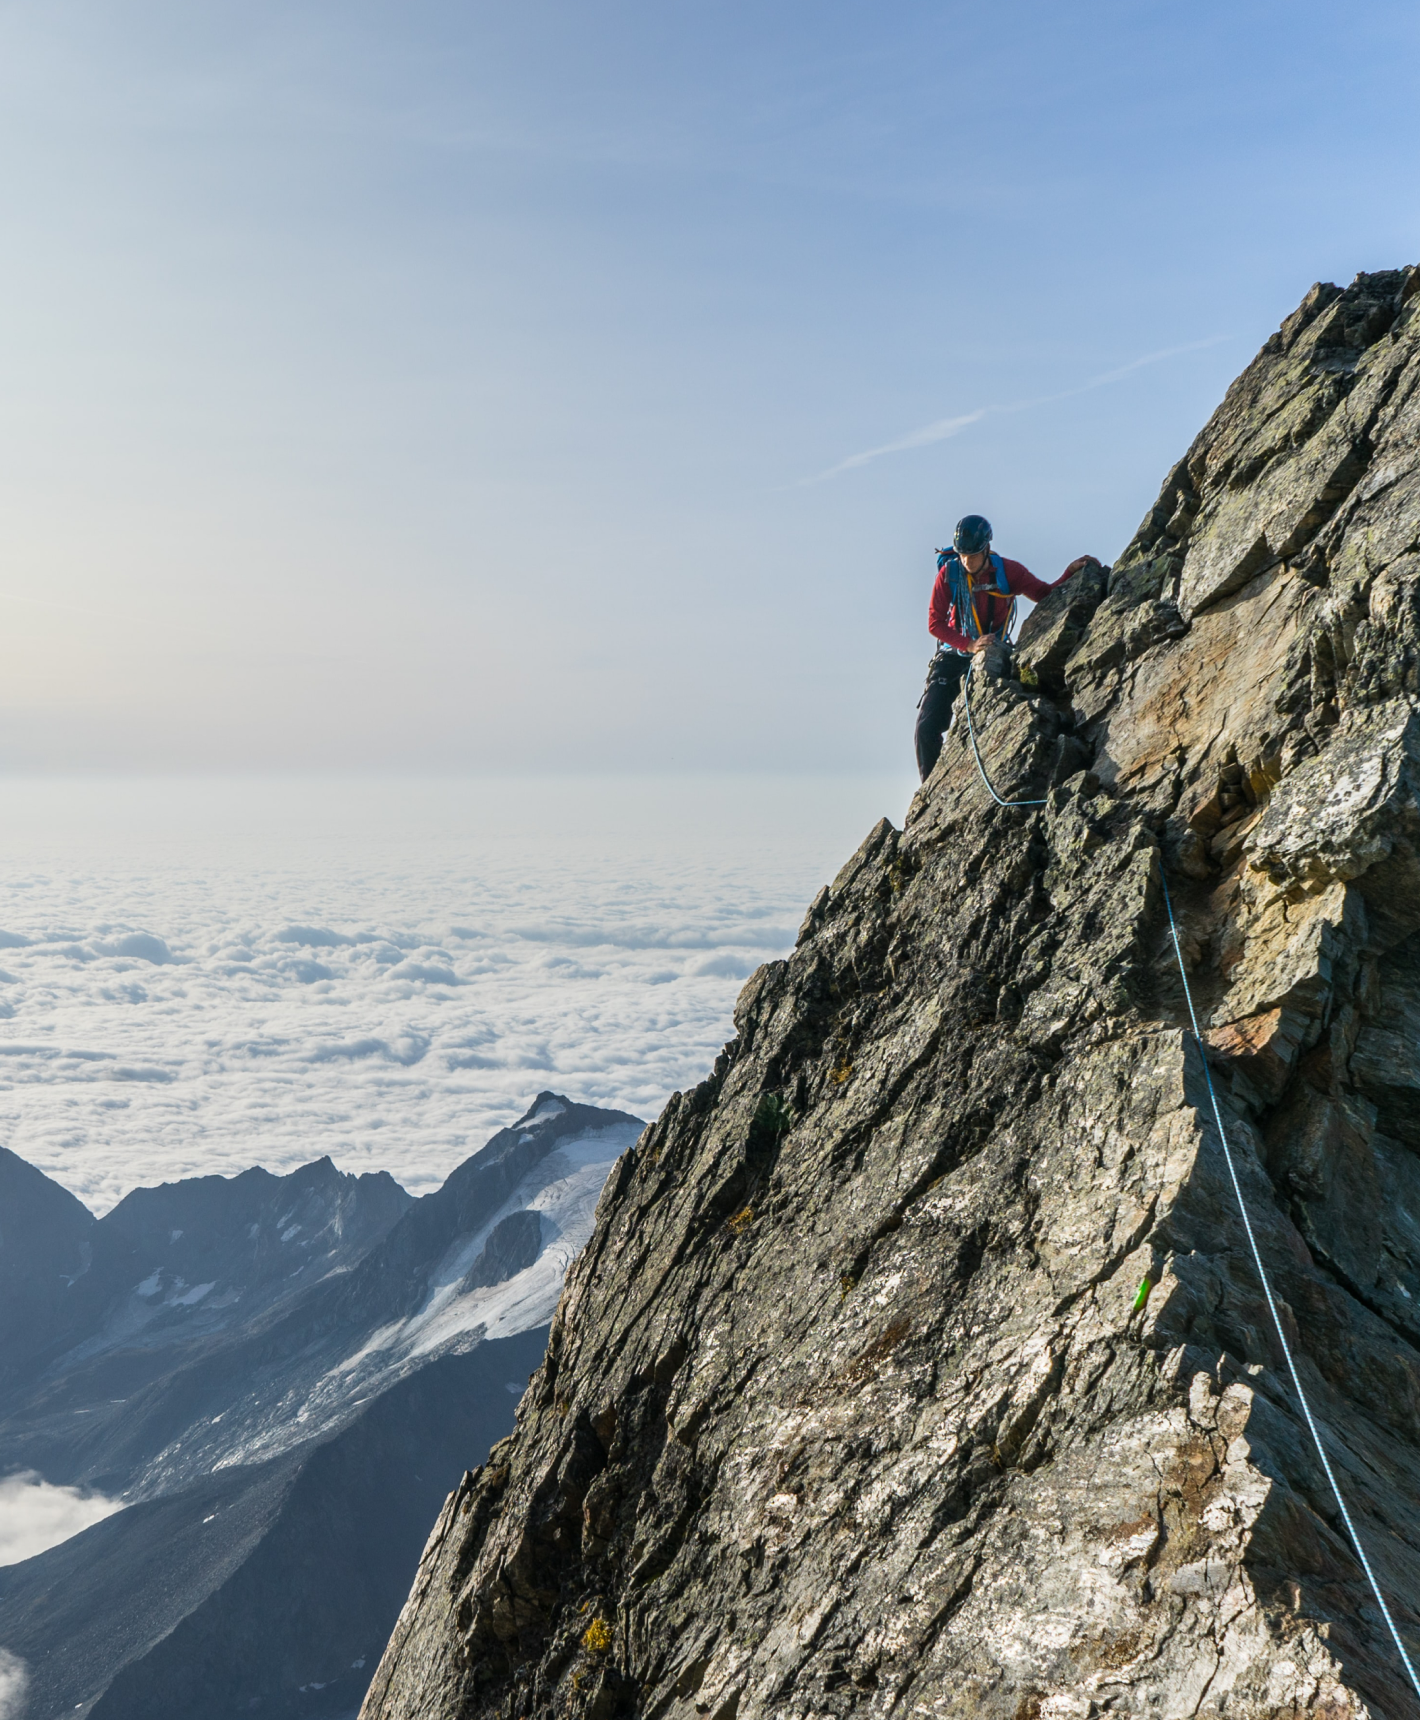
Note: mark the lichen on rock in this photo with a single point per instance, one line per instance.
(854, 1402)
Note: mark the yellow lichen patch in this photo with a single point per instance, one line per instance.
(841, 1071)
(596, 1638)
(742, 1220)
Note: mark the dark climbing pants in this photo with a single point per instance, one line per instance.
(934, 709)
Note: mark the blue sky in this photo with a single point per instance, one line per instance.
(485, 387)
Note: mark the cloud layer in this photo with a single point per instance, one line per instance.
(14, 1682)
(941, 429)
(35, 1515)
(388, 993)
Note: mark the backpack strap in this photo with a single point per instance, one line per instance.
(1003, 585)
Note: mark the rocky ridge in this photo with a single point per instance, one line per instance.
(277, 1377)
(916, 1364)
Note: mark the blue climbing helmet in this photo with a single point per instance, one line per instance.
(972, 535)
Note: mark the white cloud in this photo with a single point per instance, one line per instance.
(942, 428)
(502, 942)
(724, 967)
(35, 1516)
(938, 431)
(14, 1682)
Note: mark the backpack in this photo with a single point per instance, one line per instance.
(960, 583)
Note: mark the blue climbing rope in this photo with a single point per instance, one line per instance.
(981, 768)
(1271, 1303)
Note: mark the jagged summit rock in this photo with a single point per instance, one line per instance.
(916, 1364)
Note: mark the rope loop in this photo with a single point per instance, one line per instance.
(981, 768)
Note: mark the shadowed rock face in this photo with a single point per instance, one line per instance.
(851, 1404)
(46, 1243)
(512, 1244)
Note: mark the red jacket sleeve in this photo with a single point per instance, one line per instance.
(1024, 583)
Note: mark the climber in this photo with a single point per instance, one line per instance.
(973, 604)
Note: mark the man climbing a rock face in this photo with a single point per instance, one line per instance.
(973, 605)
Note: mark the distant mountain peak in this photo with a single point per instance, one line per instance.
(265, 1367)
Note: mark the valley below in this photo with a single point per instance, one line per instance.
(267, 1385)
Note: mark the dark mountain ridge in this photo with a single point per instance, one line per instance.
(279, 1377)
(267, 1587)
(138, 1383)
(46, 1242)
(196, 1256)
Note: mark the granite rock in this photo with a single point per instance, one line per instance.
(917, 1363)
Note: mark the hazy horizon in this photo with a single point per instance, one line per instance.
(200, 975)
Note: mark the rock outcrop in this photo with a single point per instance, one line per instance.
(917, 1364)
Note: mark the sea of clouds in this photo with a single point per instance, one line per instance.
(201, 975)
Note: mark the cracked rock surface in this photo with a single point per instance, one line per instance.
(917, 1364)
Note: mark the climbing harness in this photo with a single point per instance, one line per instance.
(981, 768)
(1247, 1226)
(1271, 1303)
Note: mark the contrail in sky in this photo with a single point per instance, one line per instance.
(941, 428)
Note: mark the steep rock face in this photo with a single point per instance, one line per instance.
(917, 1364)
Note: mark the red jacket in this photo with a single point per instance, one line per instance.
(991, 605)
